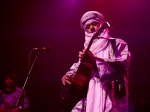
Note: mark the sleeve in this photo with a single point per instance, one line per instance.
(74, 68)
(121, 52)
(114, 68)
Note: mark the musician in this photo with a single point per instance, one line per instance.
(107, 88)
(10, 94)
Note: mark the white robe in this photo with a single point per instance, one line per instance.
(97, 99)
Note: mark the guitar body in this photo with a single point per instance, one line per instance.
(79, 84)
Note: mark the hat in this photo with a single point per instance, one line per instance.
(91, 16)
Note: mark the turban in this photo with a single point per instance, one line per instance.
(91, 16)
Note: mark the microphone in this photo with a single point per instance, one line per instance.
(42, 49)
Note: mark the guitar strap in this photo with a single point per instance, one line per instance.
(113, 44)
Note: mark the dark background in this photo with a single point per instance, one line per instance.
(26, 24)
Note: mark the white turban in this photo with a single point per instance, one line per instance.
(90, 16)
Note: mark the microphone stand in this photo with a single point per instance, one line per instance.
(21, 95)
